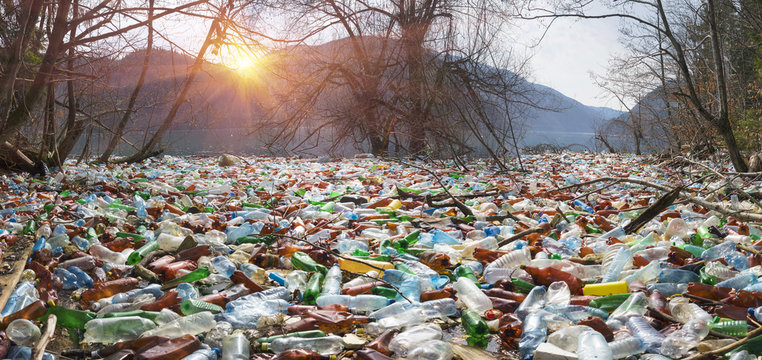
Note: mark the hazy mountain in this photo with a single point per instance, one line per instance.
(223, 105)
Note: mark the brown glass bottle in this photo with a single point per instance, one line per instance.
(176, 348)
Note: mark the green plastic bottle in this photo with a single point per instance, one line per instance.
(138, 254)
(192, 276)
(522, 286)
(30, 226)
(313, 288)
(69, 318)
(703, 232)
(476, 328)
(302, 261)
(610, 302)
(150, 315)
(135, 237)
(737, 328)
(386, 292)
(267, 239)
(467, 272)
(192, 306)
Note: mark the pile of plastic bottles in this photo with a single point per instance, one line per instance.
(179, 258)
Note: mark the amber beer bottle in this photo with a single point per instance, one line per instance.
(30, 312)
(107, 289)
(176, 348)
(549, 275)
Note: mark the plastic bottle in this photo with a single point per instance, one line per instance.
(512, 260)
(534, 332)
(472, 296)
(312, 291)
(203, 354)
(192, 325)
(192, 276)
(432, 350)
(719, 251)
(70, 318)
(679, 342)
(113, 330)
(641, 329)
(191, 306)
(686, 311)
(413, 337)
(369, 277)
(23, 332)
(235, 347)
(635, 305)
(223, 266)
(302, 261)
(566, 338)
(534, 301)
(592, 346)
(475, 327)
(622, 257)
(361, 303)
(625, 347)
(332, 284)
(737, 328)
(739, 282)
(558, 294)
(30, 312)
(328, 345)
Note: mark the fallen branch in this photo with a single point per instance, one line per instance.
(47, 335)
(660, 205)
(520, 235)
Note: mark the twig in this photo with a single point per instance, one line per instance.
(664, 202)
(726, 349)
(520, 235)
(39, 349)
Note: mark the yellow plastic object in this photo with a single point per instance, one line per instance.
(394, 205)
(610, 288)
(361, 265)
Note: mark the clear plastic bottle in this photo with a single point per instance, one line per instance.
(361, 302)
(684, 311)
(533, 334)
(203, 354)
(410, 317)
(635, 305)
(512, 260)
(370, 277)
(641, 329)
(566, 338)
(332, 283)
(235, 347)
(113, 330)
(327, 345)
(23, 332)
(591, 345)
(192, 324)
(472, 296)
(622, 257)
(739, 282)
(558, 294)
(534, 301)
(223, 266)
(625, 347)
(432, 350)
(413, 337)
(719, 251)
(678, 343)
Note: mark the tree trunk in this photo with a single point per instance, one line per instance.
(20, 115)
(135, 92)
(74, 128)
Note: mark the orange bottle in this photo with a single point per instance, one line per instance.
(549, 275)
(265, 261)
(505, 294)
(381, 344)
(119, 245)
(361, 289)
(107, 289)
(239, 277)
(707, 291)
(176, 348)
(305, 324)
(435, 260)
(598, 325)
(486, 255)
(169, 299)
(510, 330)
(173, 270)
(437, 294)
(194, 253)
(30, 312)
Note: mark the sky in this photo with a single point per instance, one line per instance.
(569, 54)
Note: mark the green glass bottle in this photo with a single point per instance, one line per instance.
(386, 292)
(69, 318)
(138, 254)
(192, 306)
(120, 206)
(467, 272)
(476, 328)
(192, 276)
(522, 286)
(267, 239)
(302, 261)
(135, 237)
(313, 288)
(610, 302)
(150, 315)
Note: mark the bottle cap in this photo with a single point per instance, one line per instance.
(265, 346)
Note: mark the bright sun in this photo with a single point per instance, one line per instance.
(246, 62)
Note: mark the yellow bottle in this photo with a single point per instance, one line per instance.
(610, 288)
(394, 205)
(361, 265)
